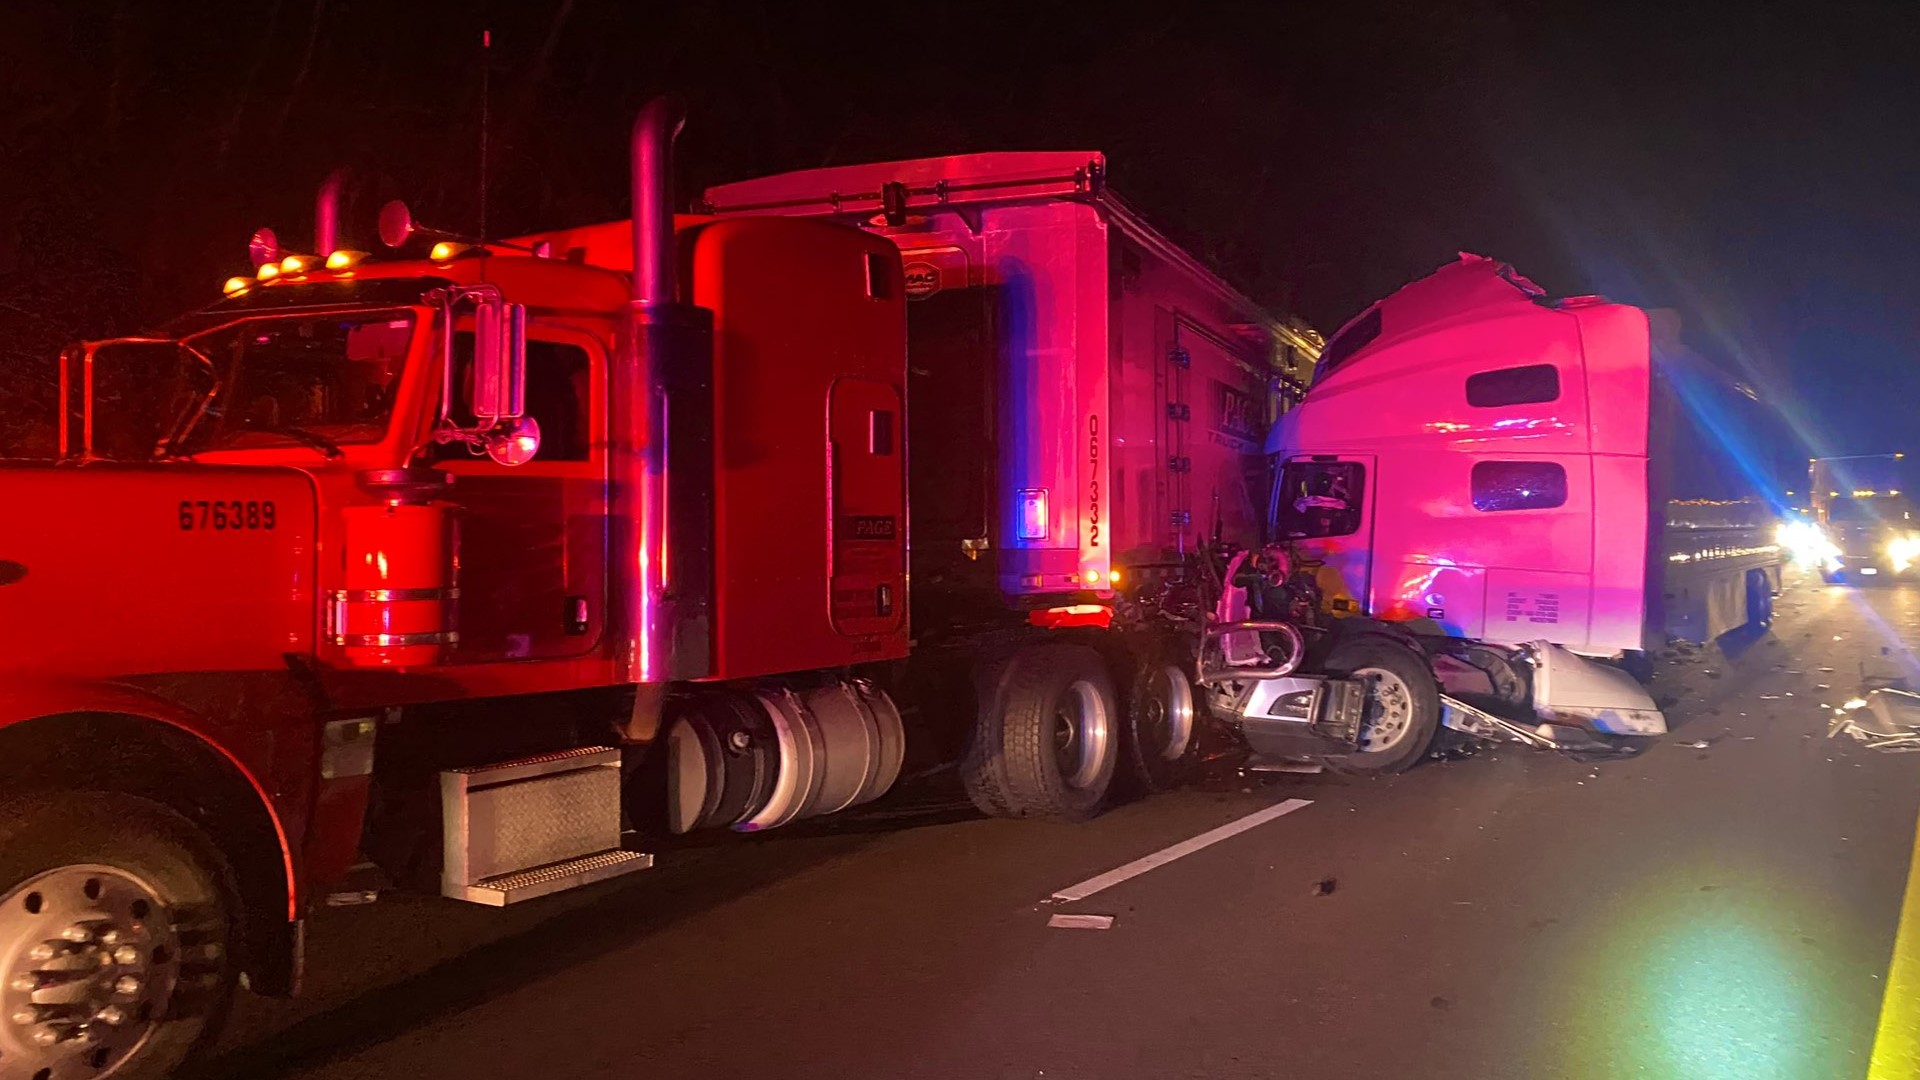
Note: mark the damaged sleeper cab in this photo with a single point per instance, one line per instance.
(1465, 493)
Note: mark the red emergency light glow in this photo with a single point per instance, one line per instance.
(1073, 615)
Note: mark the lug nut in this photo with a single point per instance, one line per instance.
(111, 1015)
(45, 1036)
(41, 952)
(78, 933)
(110, 936)
(25, 984)
(126, 985)
(126, 956)
(26, 1016)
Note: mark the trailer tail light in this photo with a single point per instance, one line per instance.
(1099, 616)
(397, 605)
(1033, 513)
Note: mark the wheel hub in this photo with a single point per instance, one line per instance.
(1170, 711)
(1388, 713)
(88, 963)
(1082, 730)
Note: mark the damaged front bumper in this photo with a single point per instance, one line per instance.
(1578, 704)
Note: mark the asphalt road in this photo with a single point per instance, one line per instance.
(1696, 912)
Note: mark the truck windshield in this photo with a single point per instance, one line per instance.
(321, 379)
(1870, 510)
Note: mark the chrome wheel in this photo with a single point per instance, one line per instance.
(1168, 727)
(1387, 717)
(90, 961)
(1082, 735)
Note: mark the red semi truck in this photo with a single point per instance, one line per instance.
(491, 563)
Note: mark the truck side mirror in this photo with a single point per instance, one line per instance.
(515, 441)
(499, 361)
(495, 378)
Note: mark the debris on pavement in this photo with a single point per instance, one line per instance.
(1081, 922)
(1306, 767)
(1884, 718)
(1325, 886)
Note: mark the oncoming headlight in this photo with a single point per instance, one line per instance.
(1903, 551)
(1809, 546)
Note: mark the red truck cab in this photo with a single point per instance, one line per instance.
(476, 505)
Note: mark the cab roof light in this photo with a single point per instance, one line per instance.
(447, 250)
(345, 259)
(268, 271)
(236, 285)
(297, 264)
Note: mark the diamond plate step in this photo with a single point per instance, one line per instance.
(505, 889)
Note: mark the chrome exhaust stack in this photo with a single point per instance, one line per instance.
(662, 468)
(326, 215)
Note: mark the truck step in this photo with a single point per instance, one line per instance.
(505, 889)
(532, 826)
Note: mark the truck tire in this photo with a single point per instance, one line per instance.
(1046, 739)
(131, 893)
(1162, 723)
(1402, 709)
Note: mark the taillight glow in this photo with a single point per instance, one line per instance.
(1072, 615)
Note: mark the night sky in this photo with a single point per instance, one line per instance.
(1755, 167)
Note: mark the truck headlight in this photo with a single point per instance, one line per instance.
(1809, 546)
(1903, 551)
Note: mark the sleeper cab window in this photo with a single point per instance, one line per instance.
(1518, 485)
(1529, 385)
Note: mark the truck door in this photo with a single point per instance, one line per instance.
(1323, 506)
(532, 573)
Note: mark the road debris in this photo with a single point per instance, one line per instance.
(1884, 718)
(1325, 886)
(1081, 922)
(1305, 767)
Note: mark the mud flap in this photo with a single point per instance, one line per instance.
(1570, 689)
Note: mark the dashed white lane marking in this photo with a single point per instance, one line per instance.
(1178, 851)
(1081, 922)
